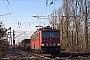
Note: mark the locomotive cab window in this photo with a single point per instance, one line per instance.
(34, 37)
(50, 34)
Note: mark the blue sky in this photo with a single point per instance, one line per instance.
(23, 10)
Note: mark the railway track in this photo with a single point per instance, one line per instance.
(21, 55)
(41, 57)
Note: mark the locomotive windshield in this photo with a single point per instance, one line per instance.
(50, 34)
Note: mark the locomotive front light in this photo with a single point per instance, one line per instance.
(58, 44)
(42, 44)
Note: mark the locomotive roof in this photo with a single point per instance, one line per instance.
(45, 28)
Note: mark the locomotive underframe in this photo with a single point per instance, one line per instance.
(50, 49)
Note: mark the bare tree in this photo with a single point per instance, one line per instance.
(71, 21)
(3, 42)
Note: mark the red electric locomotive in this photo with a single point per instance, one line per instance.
(46, 40)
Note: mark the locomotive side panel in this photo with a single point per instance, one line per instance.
(35, 41)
